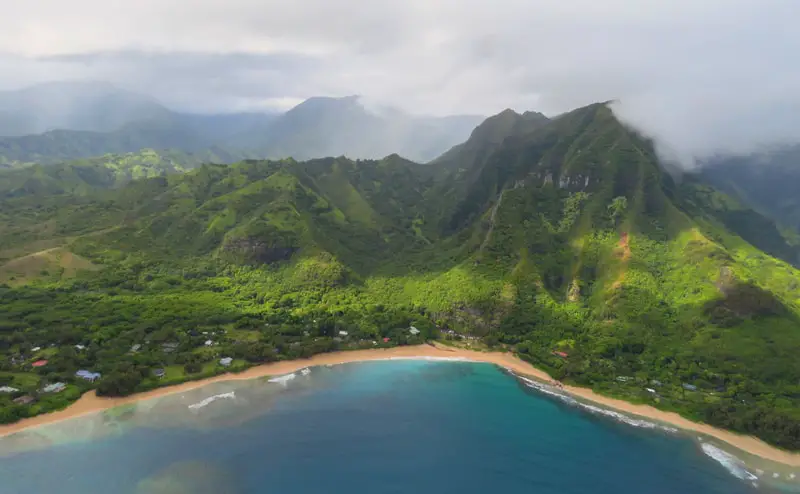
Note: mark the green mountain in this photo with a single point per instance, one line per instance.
(559, 239)
(85, 176)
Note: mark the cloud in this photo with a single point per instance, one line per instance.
(700, 77)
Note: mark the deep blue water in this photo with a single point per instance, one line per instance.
(380, 427)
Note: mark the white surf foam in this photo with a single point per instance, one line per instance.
(627, 419)
(306, 371)
(211, 399)
(283, 379)
(731, 463)
(548, 390)
(556, 393)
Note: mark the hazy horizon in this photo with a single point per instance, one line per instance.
(700, 78)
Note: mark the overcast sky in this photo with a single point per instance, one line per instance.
(701, 75)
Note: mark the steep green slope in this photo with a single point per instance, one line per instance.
(563, 236)
(109, 171)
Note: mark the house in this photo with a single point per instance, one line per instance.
(225, 361)
(689, 387)
(342, 333)
(386, 340)
(39, 363)
(135, 348)
(209, 343)
(623, 379)
(80, 347)
(159, 373)
(561, 354)
(54, 388)
(24, 400)
(88, 375)
(8, 389)
(169, 347)
(414, 331)
(36, 349)
(650, 390)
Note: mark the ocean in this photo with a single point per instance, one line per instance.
(396, 426)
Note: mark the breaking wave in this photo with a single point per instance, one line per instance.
(283, 379)
(626, 419)
(211, 399)
(620, 417)
(731, 463)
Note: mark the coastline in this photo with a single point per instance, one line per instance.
(91, 403)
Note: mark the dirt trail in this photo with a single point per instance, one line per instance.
(624, 252)
(491, 222)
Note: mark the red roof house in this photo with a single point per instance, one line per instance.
(561, 354)
(39, 363)
(386, 340)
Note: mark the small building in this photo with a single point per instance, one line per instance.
(560, 354)
(169, 347)
(36, 349)
(135, 348)
(689, 387)
(88, 375)
(386, 340)
(8, 389)
(650, 390)
(623, 379)
(225, 361)
(39, 363)
(54, 388)
(80, 347)
(159, 373)
(414, 331)
(209, 343)
(24, 400)
(342, 333)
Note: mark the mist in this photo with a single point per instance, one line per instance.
(701, 78)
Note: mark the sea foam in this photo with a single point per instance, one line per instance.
(620, 417)
(211, 399)
(283, 379)
(731, 463)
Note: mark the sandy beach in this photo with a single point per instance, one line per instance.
(91, 403)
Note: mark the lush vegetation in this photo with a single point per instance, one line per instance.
(564, 236)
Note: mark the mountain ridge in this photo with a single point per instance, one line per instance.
(564, 242)
(80, 120)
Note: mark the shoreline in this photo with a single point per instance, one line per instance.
(91, 403)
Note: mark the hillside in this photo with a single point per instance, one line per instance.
(541, 236)
(82, 176)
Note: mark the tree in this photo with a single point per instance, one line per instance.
(617, 207)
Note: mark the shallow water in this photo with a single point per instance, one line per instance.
(377, 427)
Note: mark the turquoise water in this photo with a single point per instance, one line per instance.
(378, 427)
